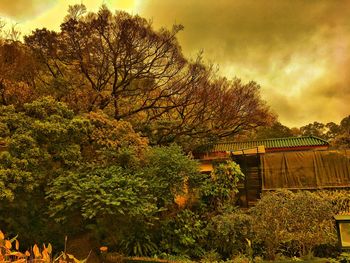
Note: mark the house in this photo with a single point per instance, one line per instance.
(290, 163)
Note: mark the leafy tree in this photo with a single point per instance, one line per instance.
(136, 197)
(119, 58)
(296, 131)
(333, 130)
(40, 140)
(17, 71)
(113, 142)
(110, 193)
(277, 130)
(345, 125)
(92, 190)
(171, 172)
(214, 109)
(317, 129)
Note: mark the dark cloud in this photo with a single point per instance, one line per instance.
(240, 24)
(23, 9)
(297, 50)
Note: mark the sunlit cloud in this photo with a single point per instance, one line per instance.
(22, 10)
(32, 14)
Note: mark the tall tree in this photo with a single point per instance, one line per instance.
(122, 62)
(118, 63)
(333, 130)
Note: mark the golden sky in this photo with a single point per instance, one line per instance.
(297, 50)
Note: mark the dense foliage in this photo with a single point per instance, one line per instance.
(80, 109)
(96, 121)
(299, 221)
(90, 173)
(219, 191)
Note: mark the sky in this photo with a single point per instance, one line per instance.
(297, 50)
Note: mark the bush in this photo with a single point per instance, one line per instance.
(326, 251)
(138, 242)
(295, 222)
(184, 235)
(230, 233)
(340, 200)
(220, 189)
(211, 257)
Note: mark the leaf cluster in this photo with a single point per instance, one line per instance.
(220, 188)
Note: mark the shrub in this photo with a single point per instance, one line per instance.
(138, 243)
(340, 200)
(230, 233)
(184, 235)
(221, 188)
(211, 257)
(296, 222)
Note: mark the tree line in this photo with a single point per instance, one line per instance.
(338, 135)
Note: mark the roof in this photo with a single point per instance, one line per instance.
(342, 217)
(275, 143)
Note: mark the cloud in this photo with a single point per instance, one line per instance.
(297, 50)
(32, 14)
(24, 9)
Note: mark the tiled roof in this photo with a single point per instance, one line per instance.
(289, 142)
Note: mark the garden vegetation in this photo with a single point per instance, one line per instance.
(97, 125)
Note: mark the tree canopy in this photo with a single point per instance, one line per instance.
(118, 63)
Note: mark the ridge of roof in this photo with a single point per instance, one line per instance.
(318, 138)
(286, 142)
(273, 139)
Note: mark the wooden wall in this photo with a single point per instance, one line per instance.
(250, 188)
